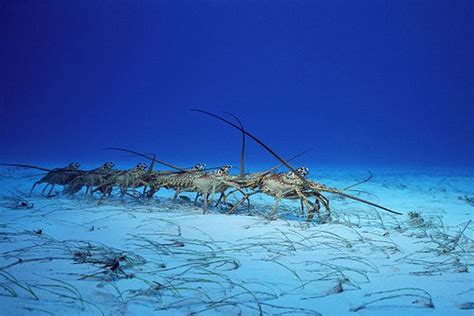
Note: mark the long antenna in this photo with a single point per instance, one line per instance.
(289, 159)
(283, 161)
(242, 150)
(360, 182)
(152, 165)
(153, 159)
(24, 166)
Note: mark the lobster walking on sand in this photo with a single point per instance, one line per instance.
(57, 176)
(195, 180)
(124, 180)
(293, 185)
(91, 179)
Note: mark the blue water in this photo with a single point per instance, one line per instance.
(369, 83)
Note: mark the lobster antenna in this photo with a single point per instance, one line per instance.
(147, 157)
(242, 150)
(289, 159)
(360, 182)
(24, 166)
(284, 162)
(150, 169)
(336, 191)
(134, 153)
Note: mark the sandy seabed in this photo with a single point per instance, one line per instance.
(71, 256)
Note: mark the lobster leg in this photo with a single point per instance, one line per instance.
(34, 185)
(312, 207)
(222, 197)
(176, 193)
(275, 207)
(50, 191)
(245, 197)
(44, 189)
(124, 189)
(206, 202)
(324, 200)
(151, 192)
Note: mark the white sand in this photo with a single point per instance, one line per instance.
(177, 261)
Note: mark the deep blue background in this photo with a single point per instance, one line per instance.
(360, 82)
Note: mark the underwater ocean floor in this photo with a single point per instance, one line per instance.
(69, 255)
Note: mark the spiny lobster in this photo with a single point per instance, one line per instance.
(292, 185)
(195, 179)
(57, 176)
